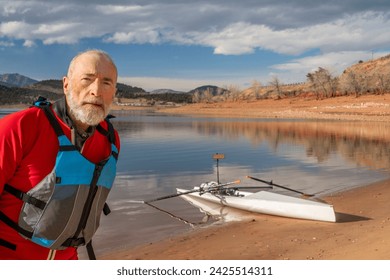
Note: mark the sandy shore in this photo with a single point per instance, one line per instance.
(363, 108)
(362, 230)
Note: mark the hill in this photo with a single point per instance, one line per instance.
(54, 86)
(16, 80)
(16, 95)
(163, 91)
(126, 91)
(370, 76)
(364, 77)
(213, 90)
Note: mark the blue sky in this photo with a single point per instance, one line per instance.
(181, 44)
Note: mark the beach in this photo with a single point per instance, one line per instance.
(362, 230)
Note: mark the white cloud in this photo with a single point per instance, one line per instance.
(135, 37)
(360, 32)
(118, 9)
(29, 43)
(16, 29)
(54, 28)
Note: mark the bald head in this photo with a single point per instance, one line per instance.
(97, 54)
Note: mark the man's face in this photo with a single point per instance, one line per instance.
(90, 89)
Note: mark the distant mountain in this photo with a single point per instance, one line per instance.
(16, 80)
(127, 91)
(214, 90)
(163, 91)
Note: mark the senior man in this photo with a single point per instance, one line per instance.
(58, 164)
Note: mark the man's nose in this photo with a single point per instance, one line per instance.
(95, 88)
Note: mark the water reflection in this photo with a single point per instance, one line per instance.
(366, 144)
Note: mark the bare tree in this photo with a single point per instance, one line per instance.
(256, 86)
(207, 95)
(355, 83)
(196, 97)
(277, 85)
(323, 83)
(383, 83)
(234, 92)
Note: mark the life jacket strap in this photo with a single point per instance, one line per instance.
(45, 105)
(110, 134)
(74, 242)
(7, 244)
(4, 218)
(90, 251)
(25, 197)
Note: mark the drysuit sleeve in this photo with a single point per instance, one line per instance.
(14, 135)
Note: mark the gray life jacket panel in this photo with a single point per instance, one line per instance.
(64, 209)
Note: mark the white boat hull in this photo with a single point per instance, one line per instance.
(272, 204)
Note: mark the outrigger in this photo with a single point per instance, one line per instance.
(264, 202)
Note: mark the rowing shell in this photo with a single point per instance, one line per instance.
(270, 203)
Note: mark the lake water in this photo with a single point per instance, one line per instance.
(160, 153)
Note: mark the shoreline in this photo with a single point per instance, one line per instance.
(364, 108)
(374, 108)
(360, 233)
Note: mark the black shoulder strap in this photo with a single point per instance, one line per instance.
(110, 133)
(45, 106)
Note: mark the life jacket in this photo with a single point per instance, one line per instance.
(64, 209)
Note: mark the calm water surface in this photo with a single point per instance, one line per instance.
(160, 153)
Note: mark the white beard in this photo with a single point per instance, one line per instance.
(87, 114)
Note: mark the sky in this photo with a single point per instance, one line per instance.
(180, 45)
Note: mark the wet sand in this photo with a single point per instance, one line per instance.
(362, 230)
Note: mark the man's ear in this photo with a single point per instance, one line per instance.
(65, 84)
